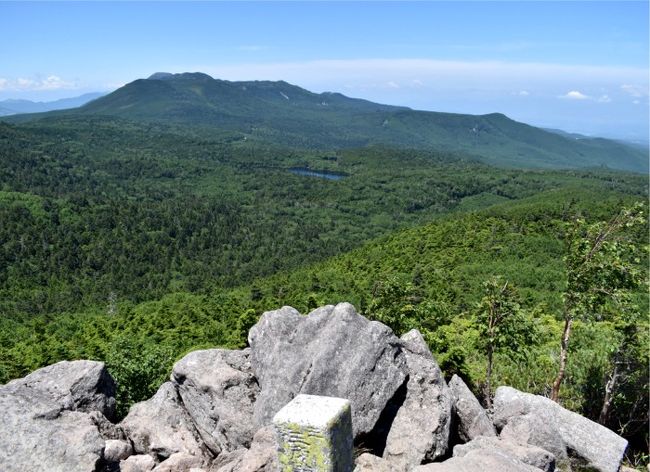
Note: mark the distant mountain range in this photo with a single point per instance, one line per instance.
(285, 114)
(14, 107)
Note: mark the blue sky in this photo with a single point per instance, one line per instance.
(580, 66)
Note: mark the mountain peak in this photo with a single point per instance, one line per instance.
(182, 75)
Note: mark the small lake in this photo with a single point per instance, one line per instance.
(321, 174)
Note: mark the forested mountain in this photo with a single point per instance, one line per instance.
(281, 113)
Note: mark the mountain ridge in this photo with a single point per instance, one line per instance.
(282, 113)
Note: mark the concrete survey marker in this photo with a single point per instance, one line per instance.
(315, 435)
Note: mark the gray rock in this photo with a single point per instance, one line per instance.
(528, 454)
(218, 390)
(75, 385)
(261, 457)
(531, 429)
(139, 463)
(473, 420)
(479, 461)
(332, 352)
(117, 450)
(226, 461)
(107, 430)
(420, 430)
(161, 427)
(179, 462)
(599, 447)
(369, 463)
(41, 429)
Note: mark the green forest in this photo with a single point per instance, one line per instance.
(134, 242)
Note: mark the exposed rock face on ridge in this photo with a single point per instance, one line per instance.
(218, 390)
(45, 420)
(206, 419)
(472, 419)
(333, 351)
(420, 430)
(600, 448)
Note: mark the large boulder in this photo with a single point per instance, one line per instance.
(218, 391)
(528, 454)
(596, 446)
(41, 429)
(472, 419)
(368, 463)
(420, 430)
(75, 385)
(161, 427)
(480, 460)
(533, 429)
(332, 352)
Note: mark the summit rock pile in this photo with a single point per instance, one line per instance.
(214, 413)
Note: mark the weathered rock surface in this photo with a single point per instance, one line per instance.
(369, 463)
(218, 391)
(117, 450)
(479, 461)
(532, 429)
(333, 352)
(139, 463)
(472, 419)
(261, 457)
(179, 462)
(75, 385)
(528, 454)
(599, 447)
(161, 427)
(420, 430)
(41, 428)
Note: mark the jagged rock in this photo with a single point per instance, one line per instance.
(107, 430)
(261, 457)
(420, 430)
(218, 390)
(75, 385)
(179, 462)
(472, 419)
(532, 429)
(528, 454)
(333, 352)
(40, 428)
(117, 450)
(480, 460)
(599, 447)
(161, 427)
(226, 461)
(139, 463)
(369, 463)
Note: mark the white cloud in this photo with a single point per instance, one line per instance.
(417, 83)
(51, 82)
(392, 84)
(635, 90)
(575, 95)
(524, 93)
(636, 102)
(604, 99)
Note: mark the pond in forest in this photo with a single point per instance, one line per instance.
(321, 174)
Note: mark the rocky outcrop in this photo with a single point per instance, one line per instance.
(218, 391)
(45, 420)
(161, 426)
(420, 430)
(212, 416)
(76, 386)
(472, 419)
(528, 454)
(598, 447)
(334, 352)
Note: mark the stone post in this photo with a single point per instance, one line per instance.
(315, 435)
